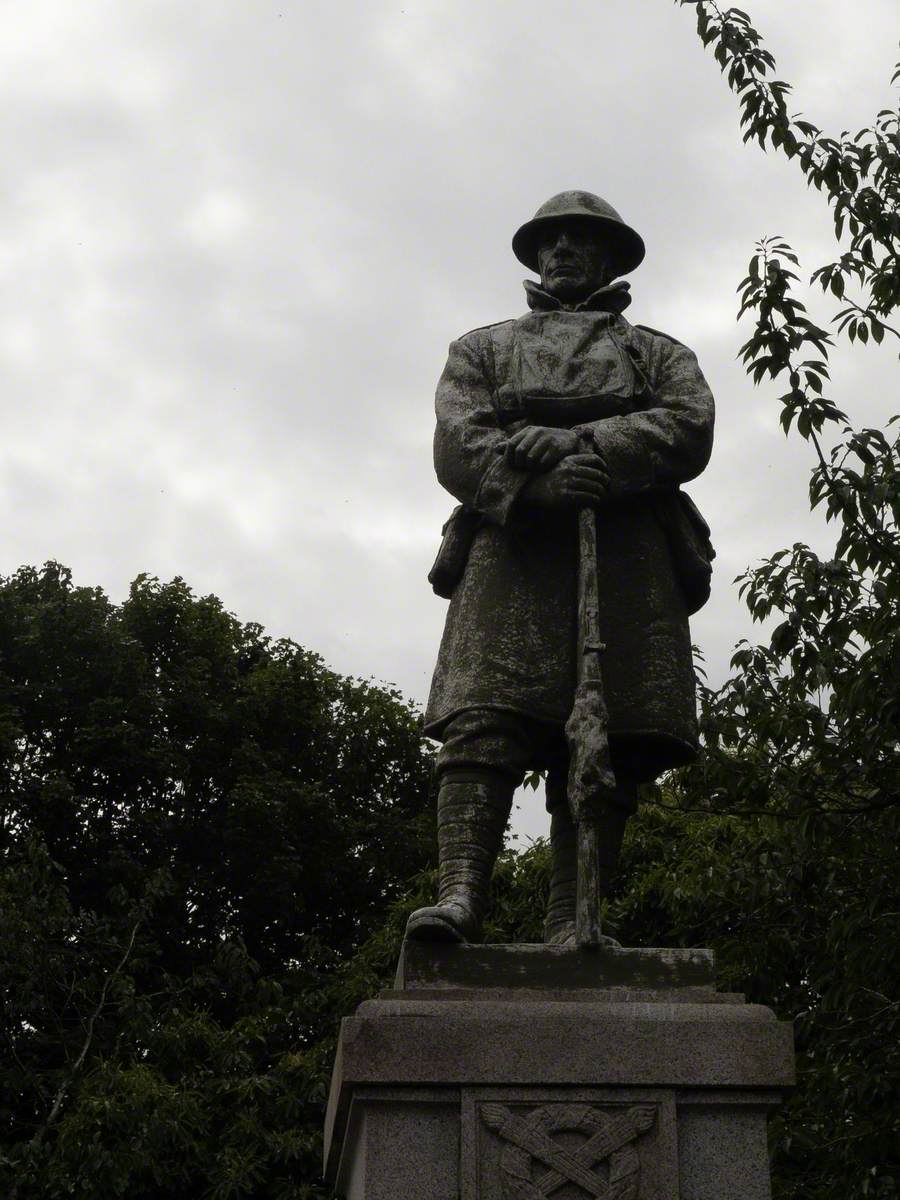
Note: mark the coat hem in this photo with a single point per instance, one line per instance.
(435, 727)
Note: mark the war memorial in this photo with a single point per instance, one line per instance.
(572, 563)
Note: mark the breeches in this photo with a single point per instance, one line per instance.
(484, 743)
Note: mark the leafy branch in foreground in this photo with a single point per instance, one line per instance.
(859, 173)
(800, 772)
(811, 721)
(801, 765)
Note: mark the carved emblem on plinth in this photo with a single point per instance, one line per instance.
(535, 1162)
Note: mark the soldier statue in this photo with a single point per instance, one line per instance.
(569, 407)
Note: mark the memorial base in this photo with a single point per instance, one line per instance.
(524, 1072)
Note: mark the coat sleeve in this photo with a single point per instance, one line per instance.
(468, 440)
(667, 443)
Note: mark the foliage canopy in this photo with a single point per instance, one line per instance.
(197, 824)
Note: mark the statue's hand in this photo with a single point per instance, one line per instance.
(538, 448)
(576, 481)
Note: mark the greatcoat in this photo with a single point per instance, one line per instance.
(639, 398)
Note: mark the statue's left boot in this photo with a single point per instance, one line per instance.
(559, 925)
(472, 815)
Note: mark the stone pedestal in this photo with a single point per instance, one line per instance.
(523, 1072)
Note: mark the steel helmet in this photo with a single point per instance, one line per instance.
(626, 245)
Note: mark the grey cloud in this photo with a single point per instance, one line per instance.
(236, 240)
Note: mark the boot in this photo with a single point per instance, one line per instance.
(559, 925)
(472, 815)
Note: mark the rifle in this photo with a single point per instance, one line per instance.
(591, 782)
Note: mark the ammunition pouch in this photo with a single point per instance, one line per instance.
(458, 534)
(692, 552)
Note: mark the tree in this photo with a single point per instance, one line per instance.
(197, 825)
(806, 733)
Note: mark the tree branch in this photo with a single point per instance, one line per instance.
(64, 1087)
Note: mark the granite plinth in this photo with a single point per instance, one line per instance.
(495, 1067)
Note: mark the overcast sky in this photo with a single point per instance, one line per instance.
(237, 237)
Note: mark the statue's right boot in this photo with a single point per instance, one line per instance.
(472, 812)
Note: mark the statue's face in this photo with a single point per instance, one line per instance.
(572, 261)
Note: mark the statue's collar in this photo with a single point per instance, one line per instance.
(613, 298)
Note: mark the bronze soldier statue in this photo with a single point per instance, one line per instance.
(567, 408)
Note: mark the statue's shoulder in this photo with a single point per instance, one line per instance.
(485, 333)
(490, 345)
(658, 335)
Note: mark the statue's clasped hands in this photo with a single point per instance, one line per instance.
(564, 475)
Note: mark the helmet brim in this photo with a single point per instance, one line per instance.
(624, 243)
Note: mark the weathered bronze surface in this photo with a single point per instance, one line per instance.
(572, 565)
